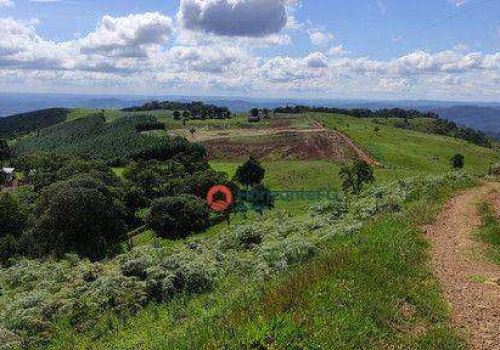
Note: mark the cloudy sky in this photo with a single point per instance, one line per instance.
(363, 49)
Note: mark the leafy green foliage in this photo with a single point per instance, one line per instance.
(5, 151)
(458, 161)
(12, 216)
(22, 124)
(180, 216)
(251, 173)
(79, 216)
(356, 176)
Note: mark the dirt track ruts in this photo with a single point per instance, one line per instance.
(469, 282)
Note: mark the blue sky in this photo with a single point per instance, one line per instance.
(381, 49)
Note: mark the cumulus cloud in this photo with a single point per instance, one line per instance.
(316, 60)
(246, 18)
(319, 38)
(208, 59)
(131, 36)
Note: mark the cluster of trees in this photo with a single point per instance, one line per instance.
(191, 110)
(115, 143)
(69, 206)
(151, 126)
(25, 123)
(358, 112)
(439, 126)
(75, 205)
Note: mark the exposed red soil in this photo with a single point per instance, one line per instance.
(284, 145)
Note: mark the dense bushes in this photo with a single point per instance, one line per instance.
(79, 216)
(22, 124)
(12, 216)
(180, 216)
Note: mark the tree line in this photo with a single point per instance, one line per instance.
(192, 110)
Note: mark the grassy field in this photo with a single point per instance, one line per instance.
(405, 152)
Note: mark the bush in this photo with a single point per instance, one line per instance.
(333, 208)
(494, 170)
(12, 216)
(251, 173)
(177, 217)
(79, 216)
(457, 161)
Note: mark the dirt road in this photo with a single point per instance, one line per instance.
(469, 283)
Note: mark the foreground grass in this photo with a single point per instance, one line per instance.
(373, 290)
(489, 231)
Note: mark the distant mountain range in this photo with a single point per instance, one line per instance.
(481, 116)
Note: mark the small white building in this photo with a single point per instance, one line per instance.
(10, 173)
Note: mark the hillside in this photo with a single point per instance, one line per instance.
(22, 124)
(92, 263)
(486, 119)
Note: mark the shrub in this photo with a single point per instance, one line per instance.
(176, 217)
(136, 268)
(356, 176)
(12, 216)
(333, 208)
(457, 161)
(251, 173)
(78, 216)
(494, 169)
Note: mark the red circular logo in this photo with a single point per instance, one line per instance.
(220, 198)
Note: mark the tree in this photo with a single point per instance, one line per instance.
(12, 216)
(266, 113)
(178, 217)
(254, 112)
(356, 176)
(177, 115)
(5, 151)
(159, 179)
(251, 173)
(457, 161)
(78, 216)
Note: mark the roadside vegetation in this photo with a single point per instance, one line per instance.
(489, 232)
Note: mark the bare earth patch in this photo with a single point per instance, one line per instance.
(468, 282)
(281, 141)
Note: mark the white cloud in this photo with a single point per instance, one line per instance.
(246, 18)
(458, 3)
(131, 36)
(316, 60)
(135, 53)
(320, 38)
(337, 51)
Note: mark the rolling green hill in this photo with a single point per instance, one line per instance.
(345, 273)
